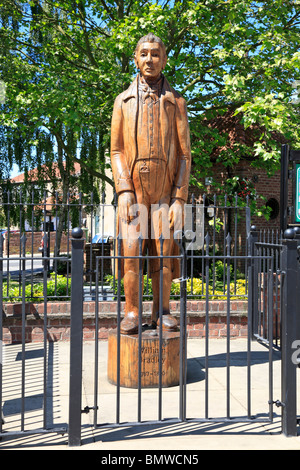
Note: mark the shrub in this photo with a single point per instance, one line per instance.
(109, 278)
(196, 290)
(57, 286)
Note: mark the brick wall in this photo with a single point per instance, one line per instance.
(58, 320)
(268, 187)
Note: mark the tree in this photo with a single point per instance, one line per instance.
(64, 62)
(47, 122)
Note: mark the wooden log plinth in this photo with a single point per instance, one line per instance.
(129, 359)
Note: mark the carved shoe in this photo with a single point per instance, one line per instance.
(129, 324)
(169, 322)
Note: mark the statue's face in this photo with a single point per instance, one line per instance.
(150, 59)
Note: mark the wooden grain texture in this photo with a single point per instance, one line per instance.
(129, 353)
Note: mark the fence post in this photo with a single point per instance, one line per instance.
(252, 282)
(74, 433)
(180, 239)
(289, 314)
(183, 337)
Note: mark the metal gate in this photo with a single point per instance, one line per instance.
(274, 315)
(272, 321)
(270, 272)
(27, 383)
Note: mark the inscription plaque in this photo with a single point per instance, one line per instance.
(150, 359)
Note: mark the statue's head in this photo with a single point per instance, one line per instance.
(150, 56)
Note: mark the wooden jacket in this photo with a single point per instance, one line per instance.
(175, 138)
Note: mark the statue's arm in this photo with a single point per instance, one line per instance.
(181, 183)
(119, 166)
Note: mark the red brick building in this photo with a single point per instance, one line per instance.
(238, 137)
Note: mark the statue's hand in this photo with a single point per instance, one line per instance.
(176, 214)
(125, 201)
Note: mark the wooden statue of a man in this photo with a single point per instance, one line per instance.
(151, 160)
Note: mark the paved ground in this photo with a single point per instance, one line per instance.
(167, 436)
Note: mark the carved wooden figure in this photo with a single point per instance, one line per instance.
(151, 159)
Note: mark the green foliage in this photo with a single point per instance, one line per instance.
(113, 283)
(196, 286)
(57, 287)
(63, 63)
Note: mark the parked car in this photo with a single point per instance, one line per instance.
(99, 238)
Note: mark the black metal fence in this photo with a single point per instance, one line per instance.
(266, 286)
(229, 261)
(274, 311)
(263, 325)
(36, 239)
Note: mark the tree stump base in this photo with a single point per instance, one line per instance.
(129, 362)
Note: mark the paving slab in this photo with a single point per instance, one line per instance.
(148, 435)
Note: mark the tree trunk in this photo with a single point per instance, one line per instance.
(64, 176)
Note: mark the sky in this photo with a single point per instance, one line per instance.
(15, 171)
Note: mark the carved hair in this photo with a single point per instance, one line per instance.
(150, 37)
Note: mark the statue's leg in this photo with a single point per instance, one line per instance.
(169, 321)
(163, 275)
(129, 324)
